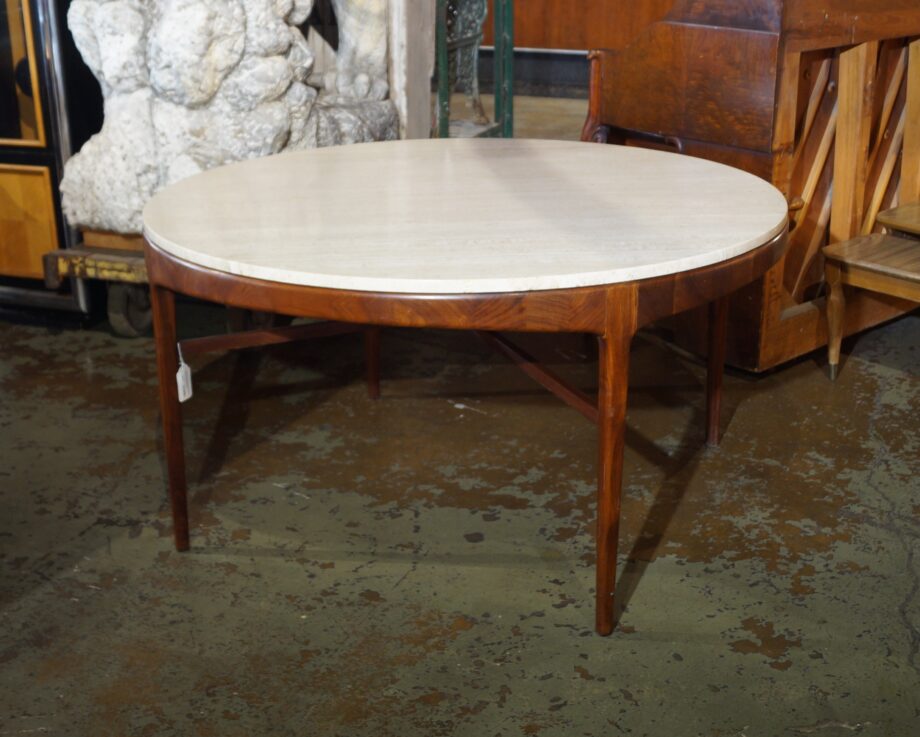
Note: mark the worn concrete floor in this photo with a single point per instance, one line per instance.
(423, 564)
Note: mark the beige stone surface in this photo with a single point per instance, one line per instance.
(465, 216)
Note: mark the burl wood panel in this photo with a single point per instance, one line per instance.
(28, 225)
(708, 84)
(579, 24)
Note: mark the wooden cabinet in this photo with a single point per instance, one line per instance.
(822, 99)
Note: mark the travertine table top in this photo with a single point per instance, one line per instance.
(464, 216)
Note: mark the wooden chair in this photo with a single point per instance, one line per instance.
(886, 264)
(903, 220)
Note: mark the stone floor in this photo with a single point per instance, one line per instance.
(423, 564)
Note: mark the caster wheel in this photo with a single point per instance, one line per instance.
(129, 309)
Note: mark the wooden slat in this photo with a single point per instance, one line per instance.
(910, 160)
(887, 132)
(818, 163)
(811, 171)
(547, 379)
(784, 141)
(815, 242)
(267, 336)
(891, 151)
(814, 103)
(888, 103)
(851, 150)
(115, 241)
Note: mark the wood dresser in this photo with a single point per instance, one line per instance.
(819, 97)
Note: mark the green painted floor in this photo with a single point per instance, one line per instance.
(423, 564)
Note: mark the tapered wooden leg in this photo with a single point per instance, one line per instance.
(164, 327)
(835, 311)
(613, 380)
(372, 357)
(718, 330)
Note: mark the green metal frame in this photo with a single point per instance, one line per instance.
(503, 24)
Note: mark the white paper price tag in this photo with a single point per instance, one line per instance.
(183, 378)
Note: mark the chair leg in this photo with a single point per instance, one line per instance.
(718, 330)
(372, 358)
(836, 305)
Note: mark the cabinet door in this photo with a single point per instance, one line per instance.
(27, 220)
(20, 109)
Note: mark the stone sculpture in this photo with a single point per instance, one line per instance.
(192, 84)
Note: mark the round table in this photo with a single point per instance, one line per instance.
(487, 235)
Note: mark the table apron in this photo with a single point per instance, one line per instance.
(563, 310)
(586, 309)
